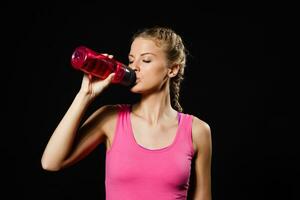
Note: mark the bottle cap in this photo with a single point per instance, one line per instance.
(129, 78)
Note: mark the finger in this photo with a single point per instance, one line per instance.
(90, 77)
(110, 77)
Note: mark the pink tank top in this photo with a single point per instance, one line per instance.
(134, 172)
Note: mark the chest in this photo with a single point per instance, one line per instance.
(153, 136)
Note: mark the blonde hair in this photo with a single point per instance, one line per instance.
(175, 51)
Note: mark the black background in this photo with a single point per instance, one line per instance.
(236, 80)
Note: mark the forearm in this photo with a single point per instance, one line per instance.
(62, 139)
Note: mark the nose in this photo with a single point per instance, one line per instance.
(134, 66)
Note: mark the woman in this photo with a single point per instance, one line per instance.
(149, 145)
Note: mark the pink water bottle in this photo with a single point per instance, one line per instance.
(101, 66)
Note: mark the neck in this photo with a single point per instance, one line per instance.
(155, 107)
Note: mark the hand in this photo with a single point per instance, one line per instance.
(93, 86)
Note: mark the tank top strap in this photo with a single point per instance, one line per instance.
(120, 136)
(186, 130)
(123, 130)
(122, 121)
(123, 108)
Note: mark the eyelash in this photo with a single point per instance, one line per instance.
(145, 61)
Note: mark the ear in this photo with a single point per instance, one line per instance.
(173, 70)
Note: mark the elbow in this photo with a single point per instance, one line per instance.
(50, 166)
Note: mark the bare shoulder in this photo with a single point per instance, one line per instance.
(104, 118)
(201, 133)
(103, 113)
(110, 113)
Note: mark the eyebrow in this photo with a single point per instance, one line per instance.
(143, 54)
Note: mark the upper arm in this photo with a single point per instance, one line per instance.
(203, 154)
(91, 133)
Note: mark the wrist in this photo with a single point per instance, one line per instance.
(84, 96)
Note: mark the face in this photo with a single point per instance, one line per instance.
(151, 66)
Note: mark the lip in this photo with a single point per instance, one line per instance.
(137, 80)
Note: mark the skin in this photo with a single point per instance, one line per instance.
(153, 119)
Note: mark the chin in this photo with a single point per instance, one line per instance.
(135, 90)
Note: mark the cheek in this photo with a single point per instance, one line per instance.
(158, 76)
(154, 73)
(148, 80)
